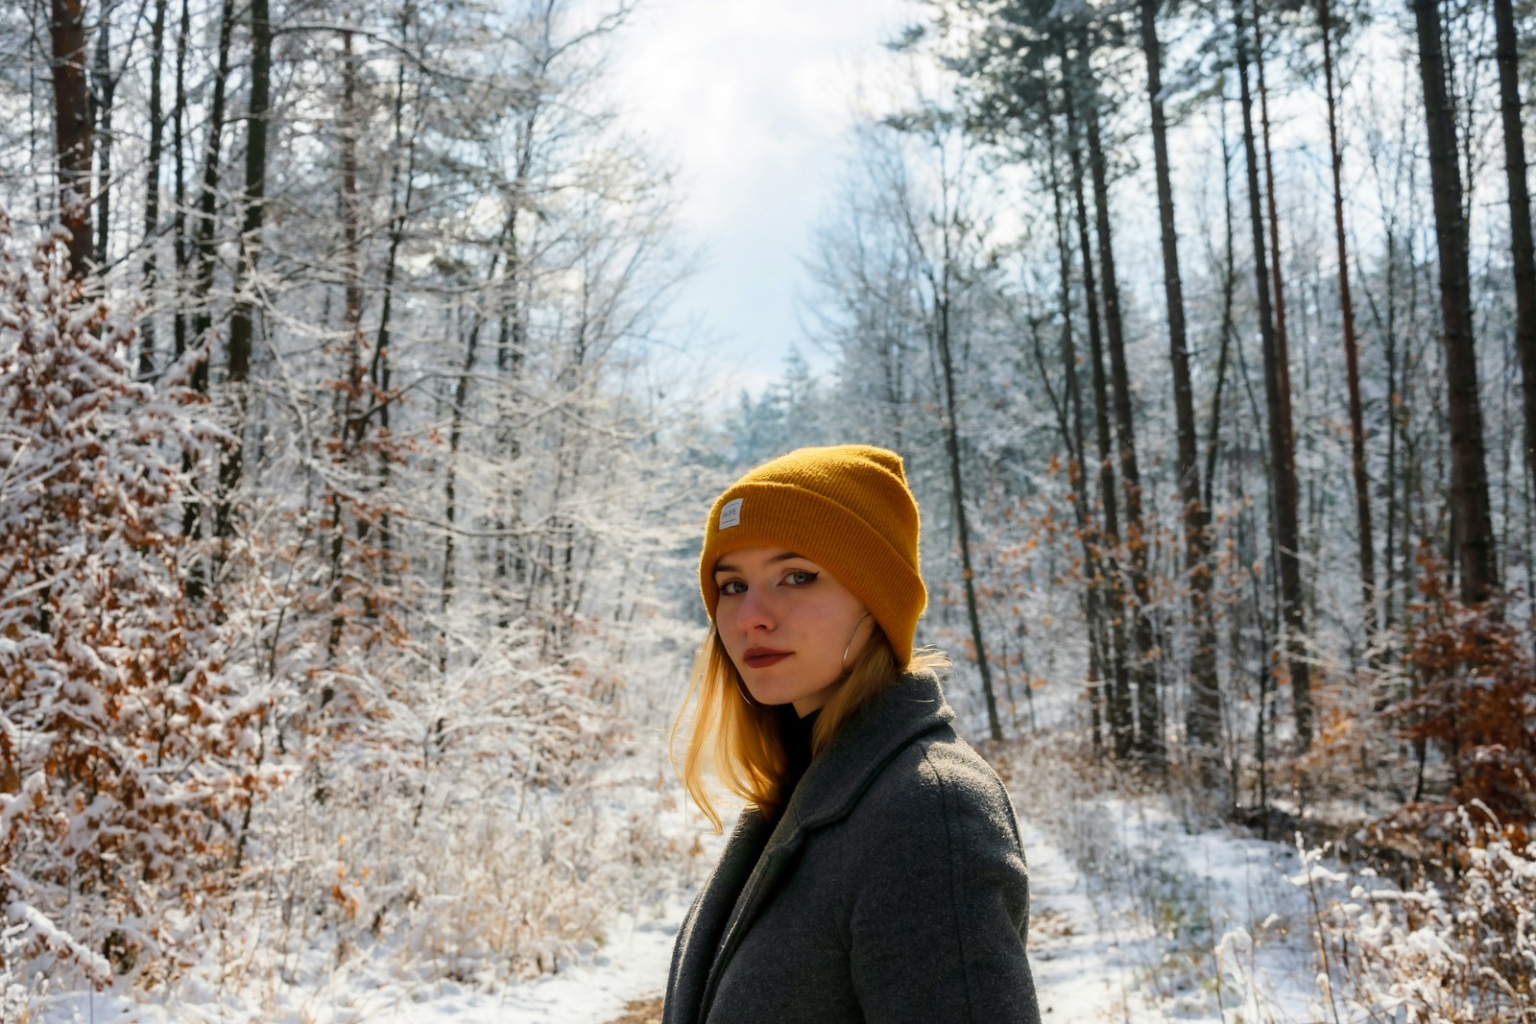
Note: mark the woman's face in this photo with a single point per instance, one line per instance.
(786, 622)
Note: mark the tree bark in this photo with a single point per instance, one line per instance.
(962, 524)
(152, 188)
(1282, 455)
(1351, 343)
(1228, 325)
(72, 130)
(351, 215)
(241, 327)
(1469, 476)
(1519, 216)
(379, 369)
(1118, 707)
(1072, 437)
(1203, 719)
(179, 164)
(207, 203)
(1149, 742)
(1394, 420)
(451, 468)
(455, 438)
(511, 565)
(106, 90)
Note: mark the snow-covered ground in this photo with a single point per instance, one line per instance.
(632, 962)
(1145, 921)
(1175, 926)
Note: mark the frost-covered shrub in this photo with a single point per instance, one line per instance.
(484, 822)
(125, 747)
(1478, 698)
(1461, 951)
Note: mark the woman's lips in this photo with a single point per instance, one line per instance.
(756, 658)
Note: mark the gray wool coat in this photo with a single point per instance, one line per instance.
(891, 890)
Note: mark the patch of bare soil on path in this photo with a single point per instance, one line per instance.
(641, 1011)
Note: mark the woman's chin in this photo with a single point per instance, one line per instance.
(770, 691)
(772, 694)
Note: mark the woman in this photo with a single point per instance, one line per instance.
(876, 873)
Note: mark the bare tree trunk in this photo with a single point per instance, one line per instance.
(357, 420)
(1228, 326)
(1394, 422)
(511, 344)
(351, 213)
(1248, 547)
(1387, 327)
(1203, 720)
(191, 518)
(72, 130)
(1519, 216)
(106, 91)
(379, 366)
(1469, 476)
(1149, 731)
(207, 203)
(1121, 725)
(450, 470)
(1282, 456)
(152, 188)
(241, 328)
(957, 486)
(1276, 264)
(1068, 411)
(178, 145)
(348, 414)
(1072, 437)
(1351, 343)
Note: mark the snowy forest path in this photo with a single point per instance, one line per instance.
(1153, 919)
(1123, 930)
(1074, 951)
(1081, 972)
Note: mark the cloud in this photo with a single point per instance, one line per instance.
(750, 102)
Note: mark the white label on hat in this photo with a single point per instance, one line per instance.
(730, 514)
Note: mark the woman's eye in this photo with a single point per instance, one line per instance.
(731, 588)
(800, 577)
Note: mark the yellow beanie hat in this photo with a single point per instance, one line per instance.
(847, 508)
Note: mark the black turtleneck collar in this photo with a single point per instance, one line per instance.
(796, 734)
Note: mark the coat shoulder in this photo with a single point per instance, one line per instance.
(937, 891)
(935, 780)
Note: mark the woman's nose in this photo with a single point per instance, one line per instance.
(754, 612)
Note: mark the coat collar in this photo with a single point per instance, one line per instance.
(874, 734)
(827, 793)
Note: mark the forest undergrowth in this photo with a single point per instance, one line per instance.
(1172, 885)
(475, 895)
(352, 459)
(1419, 918)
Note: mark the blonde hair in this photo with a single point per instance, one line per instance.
(742, 738)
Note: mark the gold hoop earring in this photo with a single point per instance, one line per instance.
(851, 637)
(744, 694)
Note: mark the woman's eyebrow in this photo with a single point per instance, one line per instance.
(784, 557)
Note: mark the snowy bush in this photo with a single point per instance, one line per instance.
(1455, 951)
(125, 746)
(476, 826)
(1478, 691)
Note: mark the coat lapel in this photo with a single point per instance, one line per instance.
(698, 941)
(827, 793)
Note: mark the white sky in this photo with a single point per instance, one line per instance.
(749, 102)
